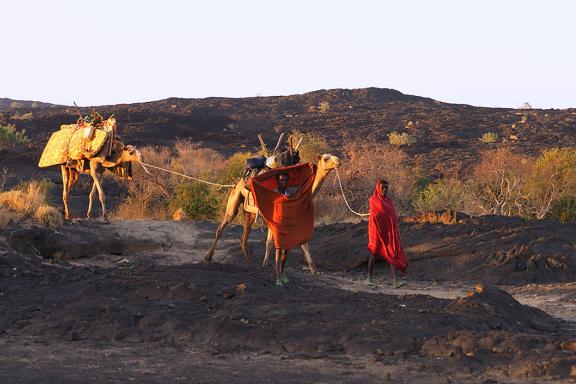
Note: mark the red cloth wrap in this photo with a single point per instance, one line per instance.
(291, 219)
(383, 233)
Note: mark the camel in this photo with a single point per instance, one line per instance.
(97, 165)
(326, 163)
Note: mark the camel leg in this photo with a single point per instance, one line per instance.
(234, 201)
(311, 266)
(98, 183)
(249, 219)
(65, 190)
(90, 199)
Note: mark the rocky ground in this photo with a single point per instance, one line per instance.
(447, 136)
(128, 301)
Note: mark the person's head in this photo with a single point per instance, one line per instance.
(383, 184)
(282, 180)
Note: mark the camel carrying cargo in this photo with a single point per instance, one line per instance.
(79, 141)
(90, 146)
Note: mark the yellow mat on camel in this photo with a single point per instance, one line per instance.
(72, 142)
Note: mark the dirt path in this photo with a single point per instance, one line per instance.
(144, 308)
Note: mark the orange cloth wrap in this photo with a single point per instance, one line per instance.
(291, 219)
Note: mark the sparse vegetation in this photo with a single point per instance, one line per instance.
(48, 216)
(324, 107)
(443, 194)
(22, 116)
(197, 200)
(28, 200)
(489, 137)
(9, 135)
(564, 209)
(312, 145)
(400, 139)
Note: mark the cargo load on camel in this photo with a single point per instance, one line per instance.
(88, 138)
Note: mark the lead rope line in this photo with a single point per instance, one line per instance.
(144, 165)
(346, 201)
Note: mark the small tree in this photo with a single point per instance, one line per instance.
(400, 139)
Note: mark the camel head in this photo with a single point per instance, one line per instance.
(130, 153)
(328, 162)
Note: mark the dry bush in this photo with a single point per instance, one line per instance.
(26, 198)
(324, 107)
(489, 137)
(364, 163)
(3, 178)
(148, 193)
(329, 207)
(5, 217)
(312, 145)
(48, 216)
(135, 208)
(497, 183)
(193, 160)
(158, 194)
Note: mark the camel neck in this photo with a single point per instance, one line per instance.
(318, 180)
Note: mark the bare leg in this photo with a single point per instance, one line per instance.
(283, 276)
(397, 284)
(269, 245)
(90, 199)
(249, 219)
(370, 269)
(311, 266)
(278, 281)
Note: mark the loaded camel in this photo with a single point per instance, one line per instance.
(97, 166)
(326, 163)
(239, 195)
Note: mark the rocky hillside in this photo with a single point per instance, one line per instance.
(447, 136)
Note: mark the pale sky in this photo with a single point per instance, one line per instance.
(485, 53)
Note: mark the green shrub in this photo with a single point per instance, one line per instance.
(564, 209)
(443, 194)
(235, 167)
(197, 200)
(400, 139)
(489, 137)
(9, 135)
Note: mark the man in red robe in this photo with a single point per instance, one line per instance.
(383, 233)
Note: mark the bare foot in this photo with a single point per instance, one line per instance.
(399, 284)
